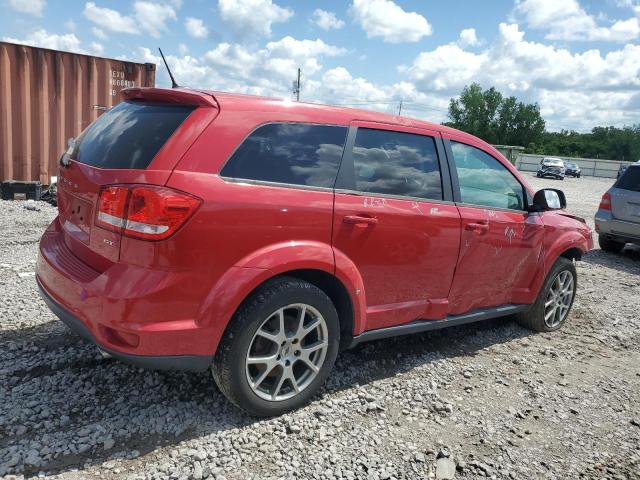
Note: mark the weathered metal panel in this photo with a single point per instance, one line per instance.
(47, 97)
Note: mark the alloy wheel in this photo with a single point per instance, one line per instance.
(287, 352)
(559, 298)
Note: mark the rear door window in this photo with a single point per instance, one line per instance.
(289, 153)
(630, 180)
(396, 163)
(129, 135)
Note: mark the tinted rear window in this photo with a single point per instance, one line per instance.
(396, 163)
(630, 179)
(291, 153)
(129, 135)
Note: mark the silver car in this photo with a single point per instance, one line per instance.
(551, 167)
(618, 217)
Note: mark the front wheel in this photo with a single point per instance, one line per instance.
(555, 299)
(279, 347)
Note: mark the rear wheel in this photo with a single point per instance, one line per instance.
(555, 299)
(609, 245)
(279, 347)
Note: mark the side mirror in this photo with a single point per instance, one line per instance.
(548, 199)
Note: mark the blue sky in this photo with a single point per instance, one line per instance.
(579, 59)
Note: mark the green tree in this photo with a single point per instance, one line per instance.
(489, 115)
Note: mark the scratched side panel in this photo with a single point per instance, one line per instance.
(406, 259)
(499, 264)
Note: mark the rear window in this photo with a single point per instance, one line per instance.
(630, 180)
(129, 135)
(291, 153)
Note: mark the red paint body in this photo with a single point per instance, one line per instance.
(421, 260)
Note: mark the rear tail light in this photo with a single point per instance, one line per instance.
(605, 203)
(144, 212)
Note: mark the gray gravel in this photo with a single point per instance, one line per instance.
(487, 400)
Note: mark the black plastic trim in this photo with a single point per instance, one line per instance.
(453, 173)
(427, 325)
(445, 173)
(193, 363)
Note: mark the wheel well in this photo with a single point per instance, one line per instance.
(572, 254)
(338, 294)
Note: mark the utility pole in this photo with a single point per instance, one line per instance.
(400, 108)
(296, 87)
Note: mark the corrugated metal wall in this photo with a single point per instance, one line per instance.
(47, 97)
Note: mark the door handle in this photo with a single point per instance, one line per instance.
(359, 220)
(477, 227)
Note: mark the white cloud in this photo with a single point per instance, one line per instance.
(468, 38)
(97, 48)
(196, 28)
(98, 32)
(110, 19)
(326, 20)
(147, 16)
(153, 16)
(30, 7)
(70, 25)
(41, 38)
(567, 20)
(384, 18)
(572, 88)
(290, 47)
(252, 17)
(265, 71)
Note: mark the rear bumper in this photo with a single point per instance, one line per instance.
(141, 316)
(195, 363)
(616, 229)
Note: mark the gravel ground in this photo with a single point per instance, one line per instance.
(486, 400)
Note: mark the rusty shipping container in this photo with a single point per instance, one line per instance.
(47, 97)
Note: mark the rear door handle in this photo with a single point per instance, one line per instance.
(359, 220)
(477, 227)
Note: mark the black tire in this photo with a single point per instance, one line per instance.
(533, 318)
(609, 245)
(229, 368)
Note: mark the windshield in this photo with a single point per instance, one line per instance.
(129, 135)
(554, 162)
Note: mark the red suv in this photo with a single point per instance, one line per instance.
(259, 237)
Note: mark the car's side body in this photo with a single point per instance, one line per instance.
(167, 304)
(572, 169)
(618, 216)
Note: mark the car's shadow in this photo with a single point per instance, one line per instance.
(67, 396)
(626, 261)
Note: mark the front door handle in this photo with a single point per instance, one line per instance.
(359, 220)
(477, 227)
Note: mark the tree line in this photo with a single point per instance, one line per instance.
(501, 120)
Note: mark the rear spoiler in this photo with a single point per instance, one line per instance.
(182, 96)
